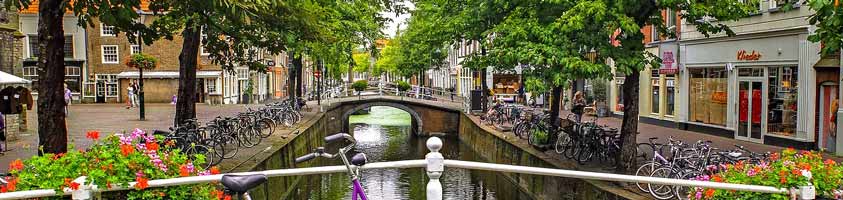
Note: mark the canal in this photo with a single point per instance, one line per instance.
(385, 135)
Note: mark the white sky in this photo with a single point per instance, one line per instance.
(389, 29)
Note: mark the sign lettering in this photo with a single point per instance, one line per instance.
(748, 56)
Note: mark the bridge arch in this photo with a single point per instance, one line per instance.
(416, 119)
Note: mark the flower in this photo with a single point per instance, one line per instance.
(774, 156)
(16, 165)
(74, 185)
(806, 174)
(12, 183)
(716, 178)
(215, 170)
(709, 193)
(142, 183)
(796, 172)
(183, 171)
(127, 149)
(153, 146)
(829, 162)
(752, 172)
(699, 194)
(94, 135)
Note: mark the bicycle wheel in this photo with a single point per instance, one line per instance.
(562, 142)
(216, 152)
(645, 170)
(228, 146)
(572, 149)
(265, 127)
(684, 192)
(201, 153)
(585, 154)
(662, 192)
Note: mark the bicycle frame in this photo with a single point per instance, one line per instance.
(353, 173)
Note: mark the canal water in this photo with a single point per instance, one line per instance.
(385, 135)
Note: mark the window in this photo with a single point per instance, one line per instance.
(135, 49)
(212, 85)
(106, 30)
(68, 46)
(72, 71)
(30, 71)
(242, 74)
(109, 54)
(654, 34)
(202, 41)
(34, 50)
(708, 95)
(107, 85)
(655, 83)
(783, 101)
(73, 78)
(780, 3)
(619, 99)
(670, 94)
(671, 22)
(753, 3)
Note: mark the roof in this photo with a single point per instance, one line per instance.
(33, 7)
(168, 74)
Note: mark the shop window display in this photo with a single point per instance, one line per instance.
(708, 95)
(782, 103)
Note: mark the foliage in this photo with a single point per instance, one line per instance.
(539, 136)
(143, 61)
(403, 86)
(360, 85)
(599, 88)
(828, 17)
(786, 170)
(250, 87)
(390, 58)
(361, 62)
(114, 161)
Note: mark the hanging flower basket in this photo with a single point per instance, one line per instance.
(142, 61)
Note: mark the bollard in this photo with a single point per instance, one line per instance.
(84, 191)
(435, 167)
(807, 192)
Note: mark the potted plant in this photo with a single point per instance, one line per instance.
(403, 86)
(359, 86)
(600, 89)
(248, 92)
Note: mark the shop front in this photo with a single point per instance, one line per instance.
(752, 88)
(506, 87)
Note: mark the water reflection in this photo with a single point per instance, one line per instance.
(387, 137)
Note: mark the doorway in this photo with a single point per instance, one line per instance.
(751, 110)
(828, 111)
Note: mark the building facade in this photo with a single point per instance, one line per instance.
(76, 60)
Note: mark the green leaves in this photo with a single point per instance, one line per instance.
(828, 18)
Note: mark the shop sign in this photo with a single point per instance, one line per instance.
(749, 56)
(668, 58)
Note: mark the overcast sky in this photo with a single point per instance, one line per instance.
(389, 30)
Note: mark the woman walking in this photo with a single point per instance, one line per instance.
(131, 94)
(579, 105)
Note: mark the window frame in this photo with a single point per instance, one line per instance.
(104, 28)
(116, 54)
(132, 50)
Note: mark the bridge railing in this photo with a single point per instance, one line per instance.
(435, 164)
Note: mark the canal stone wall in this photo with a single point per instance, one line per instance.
(496, 147)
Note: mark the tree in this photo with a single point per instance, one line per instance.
(828, 18)
(553, 38)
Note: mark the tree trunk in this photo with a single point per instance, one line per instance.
(629, 128)
(297, 63)
(186, 101)
(291, 79)
(52, 128)
(555, 105)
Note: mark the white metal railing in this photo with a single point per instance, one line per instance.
(435, 165)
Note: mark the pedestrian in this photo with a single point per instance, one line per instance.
(579, 105)
(130, 92)
(136, 88)
(3, 133)
(67, 97)
(451, 90)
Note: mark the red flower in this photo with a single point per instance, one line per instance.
(717, 178)
(183, 171)
(709, 193)
(3, 189)
(829, 162)
(74, 185)
(12, 183)
(805, 166)
(142, 183)
(217, 194)
(215, 170)
(796, 172)
(126, 149)
(16, 165)
(152, 146)
(94, 135)
(774, 156)
(227, 197)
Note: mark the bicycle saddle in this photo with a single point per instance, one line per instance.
(242, 183)
(358, 159)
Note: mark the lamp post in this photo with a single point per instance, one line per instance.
(142, 110)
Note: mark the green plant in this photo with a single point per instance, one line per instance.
(786, 170)
(539, 136)
(599, 88)
(249, 88)
(360, 85)
(142, 61)
(403, 86)
(113, 161)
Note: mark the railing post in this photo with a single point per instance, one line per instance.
(807, 192)
(435, 167)
(84, 191)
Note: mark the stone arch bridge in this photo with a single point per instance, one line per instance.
(428, 117)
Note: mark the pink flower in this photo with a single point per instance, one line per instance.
(751, 172)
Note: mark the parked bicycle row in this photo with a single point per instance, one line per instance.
(222, 137)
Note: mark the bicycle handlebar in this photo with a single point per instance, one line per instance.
(335, 137)
(306, 157)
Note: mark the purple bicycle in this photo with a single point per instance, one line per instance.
(357, 160)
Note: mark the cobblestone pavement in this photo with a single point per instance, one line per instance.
(108, 119)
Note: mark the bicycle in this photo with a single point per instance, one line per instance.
(239, 185)
(357, 160)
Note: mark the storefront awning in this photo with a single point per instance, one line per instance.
(6, 78)
(168, 74)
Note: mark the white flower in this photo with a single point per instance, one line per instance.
(806, 174)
